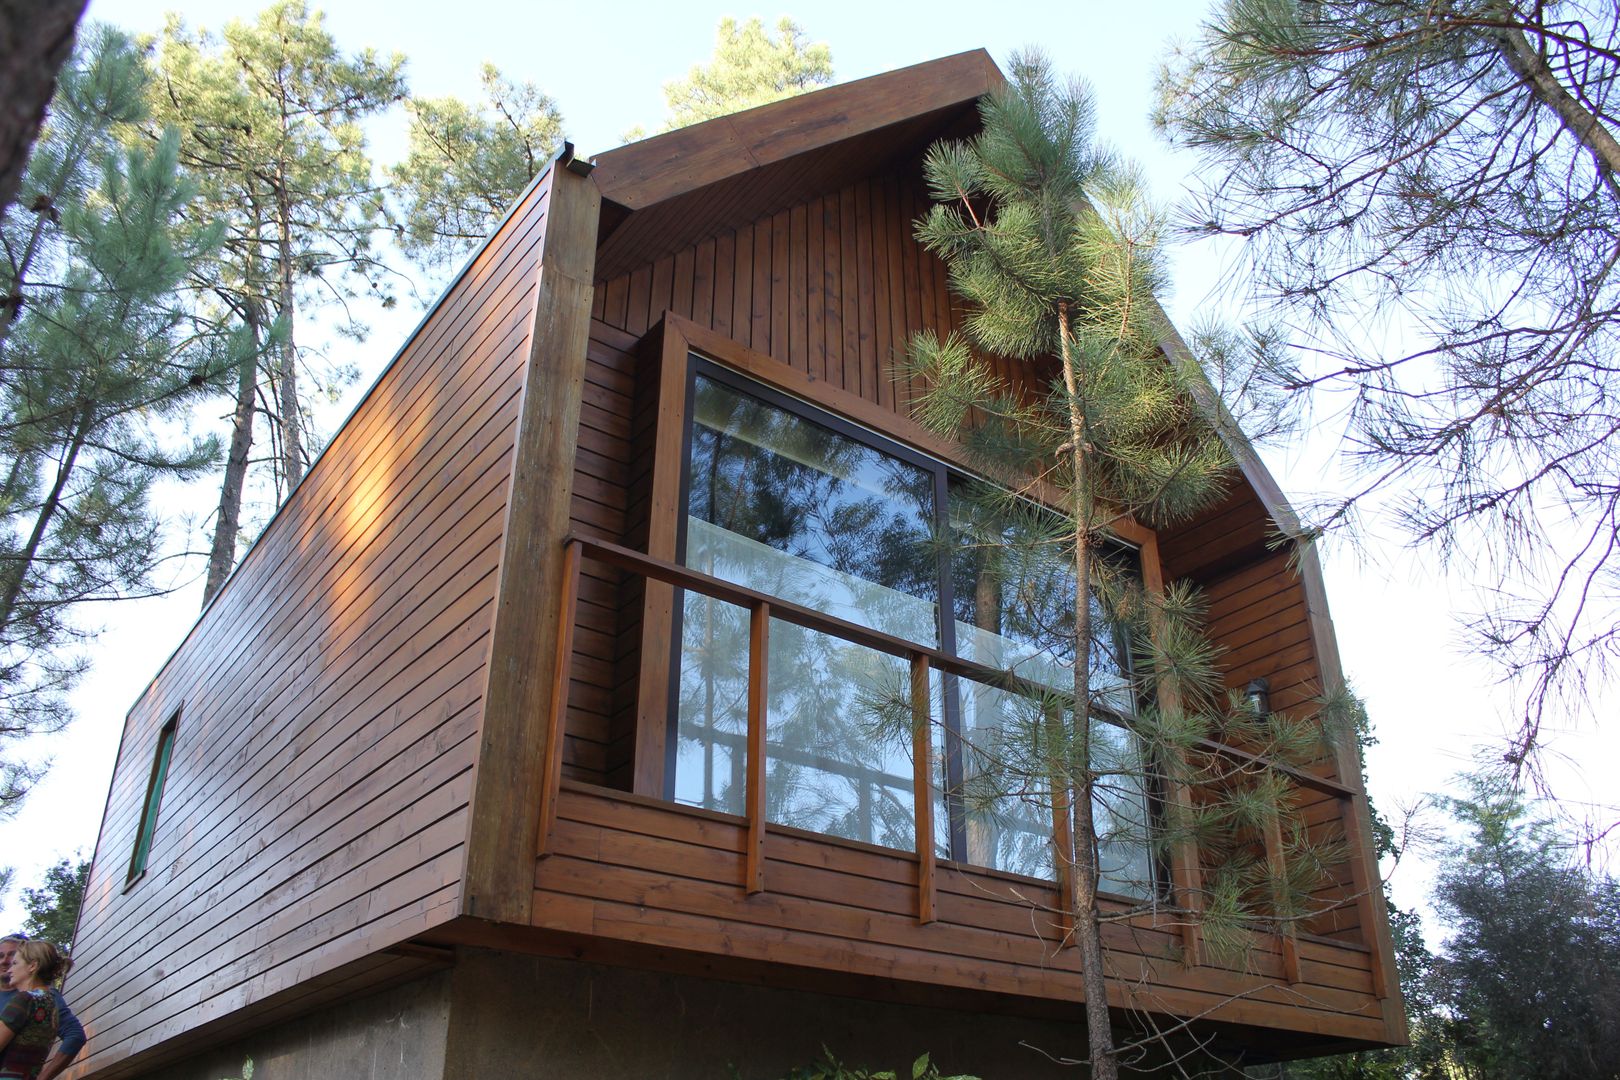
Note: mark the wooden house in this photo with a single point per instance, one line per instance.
(467, 770)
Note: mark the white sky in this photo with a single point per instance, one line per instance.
(1431, 703)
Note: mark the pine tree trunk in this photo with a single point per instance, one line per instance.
(222, 556)
(287, 403)
(1083, 902)
(47, 512)
(36, 37)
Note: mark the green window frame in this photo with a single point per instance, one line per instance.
(154, 799)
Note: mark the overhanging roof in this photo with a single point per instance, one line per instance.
(671, 190)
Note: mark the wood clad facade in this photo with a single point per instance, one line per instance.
(329, 701)
(374, 715)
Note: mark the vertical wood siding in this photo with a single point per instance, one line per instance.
(329, 700)
(833, 287)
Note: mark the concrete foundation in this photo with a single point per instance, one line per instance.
(504, 1016)
(398, 1034)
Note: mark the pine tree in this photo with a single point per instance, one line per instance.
(1531, 965)
(36, 37)
(467, 164)
(99, 362)
(749, 68)
(1048, 241)
(270, 119)
(1429, 196)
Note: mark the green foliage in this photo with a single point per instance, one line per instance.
(1054, 247)
(1428, 196)
(53, 907)
(270, 114)
(100, 362)
(750, 67)
(467, 163)
(830, 1068)
(1531, 968)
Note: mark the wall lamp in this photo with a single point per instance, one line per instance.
(1258, 695)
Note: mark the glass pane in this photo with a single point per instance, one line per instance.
(1013, 580)
(1120, 811)
(1005, 796)
(838, 746)
(800, 512)
(1014, 594)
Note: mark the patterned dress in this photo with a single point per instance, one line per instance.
(32, 1017)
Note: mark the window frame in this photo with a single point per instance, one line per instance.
(152, 806)
(688, 351)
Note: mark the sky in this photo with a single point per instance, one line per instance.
(1431, 702)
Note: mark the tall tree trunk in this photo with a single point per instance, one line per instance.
(222, 556)
(287, 403)
(47, 512)
(36, 37)
(1086, 876)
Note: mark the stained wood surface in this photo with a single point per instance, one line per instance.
(330, 701)
(820, 298)
(636, 870)
(525, 669)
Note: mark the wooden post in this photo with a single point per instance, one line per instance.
(503, 829)
(759, 637)
(1186, 870)
(559, 700)
(1277, 860)
(922, 744)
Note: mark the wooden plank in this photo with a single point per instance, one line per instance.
(849, 293)
(815, 304)
(703, 282)
(638, 313)
(798, 318)
(725, 254)
(780, 301)
(670, 165)
(683, 284)
(759, 624)
(922, 742)
(558, 703)
(832, 278)
(865, 295)
(760, 308)
(883, 331)
(658, 603)
(523, 646)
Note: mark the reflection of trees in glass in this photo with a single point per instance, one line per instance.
(1014, 601)
(799, 511)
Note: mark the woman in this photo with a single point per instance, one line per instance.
(29, 1020)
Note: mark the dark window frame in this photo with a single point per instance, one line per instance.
(152, 805)
(944, 474)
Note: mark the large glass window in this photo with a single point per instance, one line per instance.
(793, 503)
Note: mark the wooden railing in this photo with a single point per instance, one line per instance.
(922, 659)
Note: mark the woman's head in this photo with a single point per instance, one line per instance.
(37, 963)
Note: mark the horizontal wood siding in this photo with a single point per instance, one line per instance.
(671, 877)
(329, 700)
(1258, 616)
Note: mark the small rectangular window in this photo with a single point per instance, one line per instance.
(154, 798)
